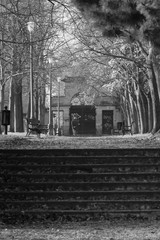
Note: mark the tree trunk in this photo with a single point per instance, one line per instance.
(18, 108)
(2, 101)
(42, 104)
(11, 104)
(150, 116)
(16, 95)
(134, 111)
(37, 101)
(153, 79)
(126, 109)
(137, 94)
(144, 107)
(136, 118)
(2, 80)
(123, 108)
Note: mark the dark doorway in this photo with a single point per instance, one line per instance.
(87, 120)
(107, 121)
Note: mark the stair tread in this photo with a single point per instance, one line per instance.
(79, 192)
(79, 183)
(81, 211)
(78, 165)
(87, 177)
(80, 201)
(81, 174)
(80, 156)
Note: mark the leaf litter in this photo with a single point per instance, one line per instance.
(20, 141)
(95, 230)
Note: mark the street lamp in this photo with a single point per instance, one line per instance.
(50, 60)
(58, 132)
(30, 26)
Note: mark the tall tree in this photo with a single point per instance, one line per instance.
(15, 50)
(137, 20)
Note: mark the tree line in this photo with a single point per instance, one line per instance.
(113, 44)
(15, 54)
(137, 25)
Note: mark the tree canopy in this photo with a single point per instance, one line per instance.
(135, 19)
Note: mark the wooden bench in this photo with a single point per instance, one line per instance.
(123, 129)
(118, 130)
(34, 127)
(127, 129)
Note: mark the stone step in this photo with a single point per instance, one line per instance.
(7, 153)
(81, 174)
(75, 212)
(77, 166)
(80, 193)
(79, 159)
(82, 184)
(117, 181)
(151, 201)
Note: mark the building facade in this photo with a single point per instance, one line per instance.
(98, 115)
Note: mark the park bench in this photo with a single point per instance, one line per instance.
(127, 129)
(118, 130)
(122, 128)
(34, 127)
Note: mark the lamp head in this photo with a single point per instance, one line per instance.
(58, 79)
(50, 60)
(30, 26)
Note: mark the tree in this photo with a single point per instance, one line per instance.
(138, 21)
(15, 51)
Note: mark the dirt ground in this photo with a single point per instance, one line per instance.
(119, 229)
(99, 230)
(20, 141)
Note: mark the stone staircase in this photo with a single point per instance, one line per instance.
(84, 182)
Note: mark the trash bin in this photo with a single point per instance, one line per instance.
(6, 118)
(119, 125)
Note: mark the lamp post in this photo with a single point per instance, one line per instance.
(30, 26)
(58, 132)
(50, 60)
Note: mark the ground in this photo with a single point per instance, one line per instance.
(102, 230)
(19, 141)
(113, 229)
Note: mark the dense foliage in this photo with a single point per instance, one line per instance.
(135, 19)
(139, 23)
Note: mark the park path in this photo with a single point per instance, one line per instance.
(20, 141)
